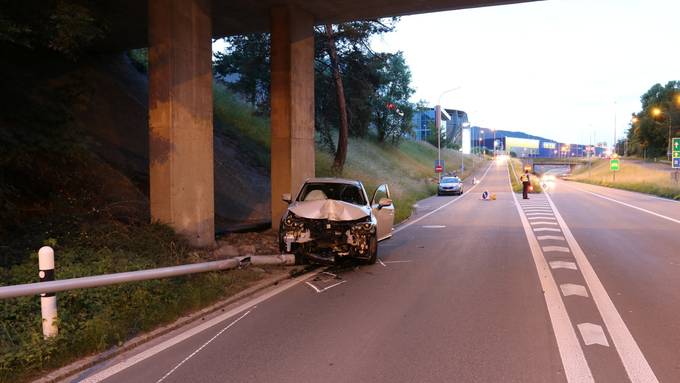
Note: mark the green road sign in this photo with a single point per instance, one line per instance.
(614, 164)
(676, 152)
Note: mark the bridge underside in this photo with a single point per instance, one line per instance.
(178, 34)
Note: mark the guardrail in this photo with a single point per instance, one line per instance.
(48, 286)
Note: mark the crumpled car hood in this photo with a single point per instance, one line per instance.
(329, 209)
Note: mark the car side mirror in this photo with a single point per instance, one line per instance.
(384, 202)
(286, 198)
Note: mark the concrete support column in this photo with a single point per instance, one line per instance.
(292, 101)
(180, 118)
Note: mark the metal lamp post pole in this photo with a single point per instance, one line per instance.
(670, 124)
(437, 126)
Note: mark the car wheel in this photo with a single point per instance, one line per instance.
(372, 250)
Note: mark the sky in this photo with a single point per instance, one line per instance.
(569, 70)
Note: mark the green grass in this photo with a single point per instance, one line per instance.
(408, 169)
(238, 121)
(632, 176)
(92, 320)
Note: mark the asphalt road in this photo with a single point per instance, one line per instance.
(577, 285)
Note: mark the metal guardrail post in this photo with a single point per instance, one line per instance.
(48, 301)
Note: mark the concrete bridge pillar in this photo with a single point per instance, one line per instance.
(181, 118)
(292, 102)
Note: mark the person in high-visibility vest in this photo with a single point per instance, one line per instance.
(525, 184)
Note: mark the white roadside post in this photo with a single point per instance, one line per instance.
(48, 301)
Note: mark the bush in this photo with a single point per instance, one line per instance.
(93, 320)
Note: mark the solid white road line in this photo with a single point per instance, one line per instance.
(592, 334)
(633, 360)
(628, 205)
(563, 265)
(569, 289)
(543, 223)
(546, 229)
(381, 262)
(202, 347)
(407, 224)
(576, 368)
(559, 249)
(542, 217)
(547, 237)
(313, 286)
(433, 226)
(545, 214)
(131, 361)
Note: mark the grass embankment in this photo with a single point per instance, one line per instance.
(95, 229)
(633, 176)
(515, 168)
(406, 168)
(56, 192)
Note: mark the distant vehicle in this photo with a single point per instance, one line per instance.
(332, 218)
(450, 185)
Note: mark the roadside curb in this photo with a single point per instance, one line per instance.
(89, 361)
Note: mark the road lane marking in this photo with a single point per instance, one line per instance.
(543, 223)
(634, 361)
(134, 359)
(569, 289)
(433, 226)
(575, 365)
(539, 213)
(534, 210)
(202, 346)
(381, 262)
(546, 237)
(407, 224)
(542, 217)
(563, 265)
(313, 286)
(398, 261)
(592, 334)
(629, 205)
(558, 249)
(546, 229)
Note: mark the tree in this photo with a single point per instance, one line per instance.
(63, 26)
(393, 112)
(245, 67)
(341, 151)
(648, 135)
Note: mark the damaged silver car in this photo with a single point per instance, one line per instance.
(332, 218)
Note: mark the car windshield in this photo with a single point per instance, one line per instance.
(329, 190)
(447, 180)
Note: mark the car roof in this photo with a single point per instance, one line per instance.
(334, 180)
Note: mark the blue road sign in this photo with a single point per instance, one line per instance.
(676, 162)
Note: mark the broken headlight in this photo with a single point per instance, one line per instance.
(293, 222)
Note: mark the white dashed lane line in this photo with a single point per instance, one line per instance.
(634, 362)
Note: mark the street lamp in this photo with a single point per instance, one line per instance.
(437, 125)
(656, 111)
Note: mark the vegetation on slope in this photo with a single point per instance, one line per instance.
(634, 175)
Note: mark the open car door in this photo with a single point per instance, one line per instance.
(383, 208)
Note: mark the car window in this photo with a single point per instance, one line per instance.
(326, 190)
(450, 179)
(381, 192)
